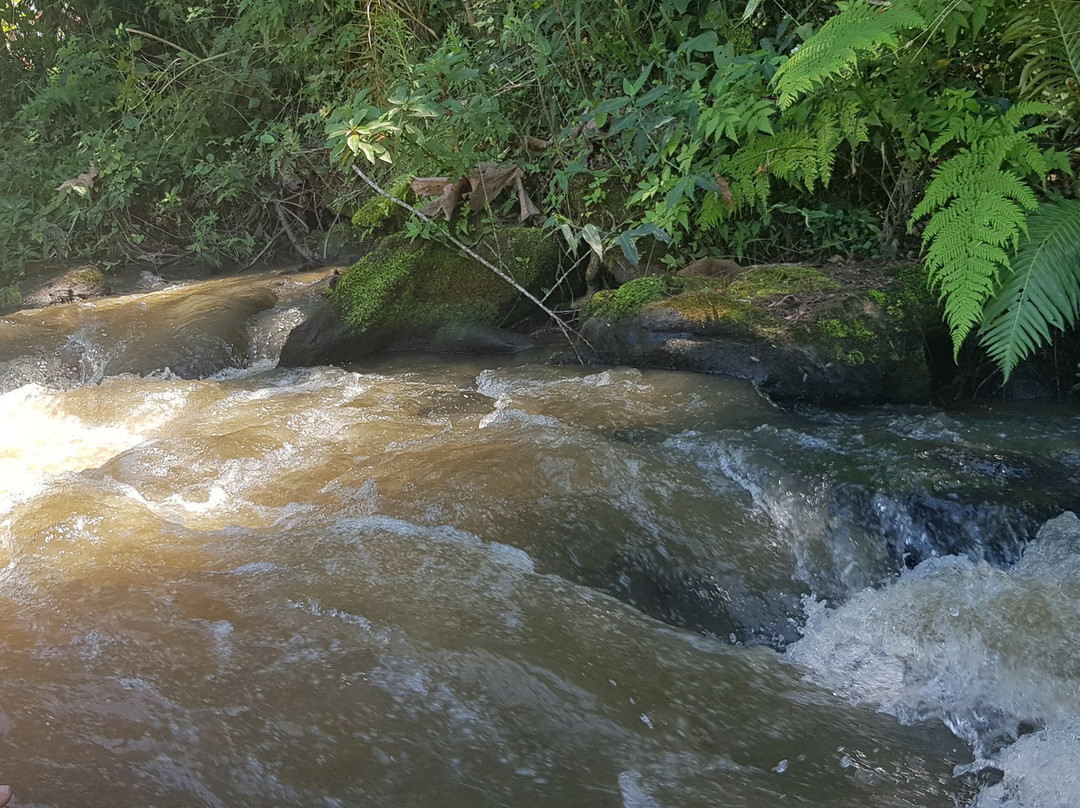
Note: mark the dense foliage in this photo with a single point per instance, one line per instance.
(865, 129)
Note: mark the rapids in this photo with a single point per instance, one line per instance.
(434, 581)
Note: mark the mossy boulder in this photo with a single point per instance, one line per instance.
(421, 285)
(404, 291)
(380, 215)
(799, 333)
(66, 286)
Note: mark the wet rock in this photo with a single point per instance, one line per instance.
(408, 287)
(324, 338)
(78, 283)
(423, 295)
(797, 334)
(477, 339)
(691, 597)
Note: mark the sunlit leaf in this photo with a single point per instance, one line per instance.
(592, 237)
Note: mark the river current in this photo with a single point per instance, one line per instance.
(446, 581)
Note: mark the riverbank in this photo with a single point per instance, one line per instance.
(836, 335)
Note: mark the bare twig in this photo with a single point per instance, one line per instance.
(563, 277)
(264, 250)
(573, 50)
(326, 241)
(304, 253)
(568, 332)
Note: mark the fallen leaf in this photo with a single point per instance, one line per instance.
(429, 186)
(536, 144)
(84, 180)
(448, 200)
(528, 209)
(491, 180)
(725, 191)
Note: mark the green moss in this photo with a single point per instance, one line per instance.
(10, 296)
(909, 301)
(707, 309)
(763, 282)
(379, 213)
(629, 298)
(835, 328)
(854, 329)
(404, 284)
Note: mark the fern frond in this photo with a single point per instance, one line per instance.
(713, 211)
(1042, 292)
(800, 156)
(977, 217)
(1047, 38)
(859, 30)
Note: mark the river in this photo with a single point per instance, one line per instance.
(446, 581)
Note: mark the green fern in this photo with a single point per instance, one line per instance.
(1047, 38)
(1002, 136)
(977, 202)
(859, 30)
(1041, 292)
(801, 156)
(793, 155)
(977, 219)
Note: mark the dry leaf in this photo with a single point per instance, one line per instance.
(448, 200)
(536, 144)
(484, 186)
(490, 181)
(84, 180)
(725, 191)
(429, 186)
(528, 209)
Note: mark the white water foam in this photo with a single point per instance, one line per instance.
(989, 652)
(39, 440)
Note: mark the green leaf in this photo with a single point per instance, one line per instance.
(651, 229)
(652, 95)
(629, 249)
(571, 237)
(1041, 293)
(610, 105)
(751, 7)
(702, 43)
(635, 88)
(707, 182)
(593, 239)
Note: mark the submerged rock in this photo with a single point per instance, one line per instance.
(478, 339)
(798, 334)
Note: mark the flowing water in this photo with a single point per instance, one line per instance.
(467, 582)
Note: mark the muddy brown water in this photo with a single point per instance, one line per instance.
(433, 581)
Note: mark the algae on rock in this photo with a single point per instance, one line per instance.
(413, 287)
(796, 331)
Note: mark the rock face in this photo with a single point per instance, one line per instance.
(78, 283)
(799, 335)
(419, 294)
(324, 338)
